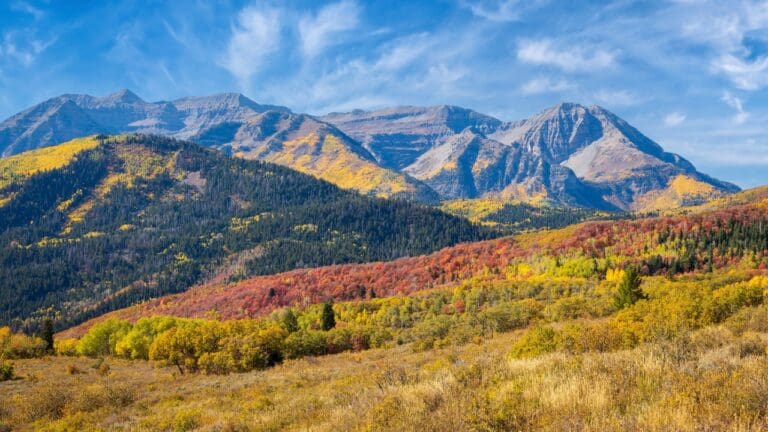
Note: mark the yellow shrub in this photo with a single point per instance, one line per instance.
(66, 347)
(536, 341)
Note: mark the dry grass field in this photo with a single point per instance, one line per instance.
(713, 379)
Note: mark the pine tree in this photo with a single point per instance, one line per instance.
(290, 322)
(48, 334)
(629, 291)
(328, 318)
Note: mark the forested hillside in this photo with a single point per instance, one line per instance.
(515, 216)
(734, 237)
(102, 223)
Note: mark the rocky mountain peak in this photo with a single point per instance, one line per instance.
(124, 96)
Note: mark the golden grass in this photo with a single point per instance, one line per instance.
(330, 160)
(700, 382)
(679, 190)
(757, 196)
(44, 159)
(474, 209)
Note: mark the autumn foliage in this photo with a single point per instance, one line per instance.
(669, 245)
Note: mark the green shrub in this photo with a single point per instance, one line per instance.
(6, 371)
(428, 333)
(506, 316)
(727, 300)
(568, 308)
(102, 338)
(186, 420)
(305, 343)
(629, 291)
(219, 363)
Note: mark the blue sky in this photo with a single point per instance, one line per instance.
(691, 74)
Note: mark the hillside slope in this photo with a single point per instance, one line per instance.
(100, 223)
(732, 236)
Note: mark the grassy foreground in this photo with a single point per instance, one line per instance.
(715, 378)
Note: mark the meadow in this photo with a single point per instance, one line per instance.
(715, 378)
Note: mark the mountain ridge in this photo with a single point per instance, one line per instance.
(566, 155)
(611, 164)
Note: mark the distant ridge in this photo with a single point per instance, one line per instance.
(568, 155)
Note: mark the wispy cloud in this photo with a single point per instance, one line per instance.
(321, 30)
(255, 35)
(727, 28)
(22, 6)
(674, 118)
(616, 98)
(545, 85)
(494, 10)
(420, 68)
(365, 80)
(745, 74)
(582, 57)
(404, 51)
(734, 102)
(23, 51)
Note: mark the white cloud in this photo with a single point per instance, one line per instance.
(256, 34)
(318, 31)
(585, 57)
(404, 51)
(726, 27)
(734, 102)
(545, 85)
(674, 118)
(616, 98)
(421, 69)
(745, 74)
(444, 74)
(24, 52)
(494, 10)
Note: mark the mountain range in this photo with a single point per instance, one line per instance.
(568, 155)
